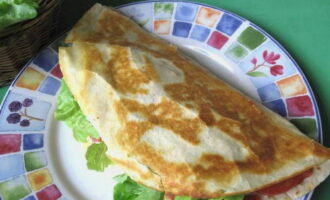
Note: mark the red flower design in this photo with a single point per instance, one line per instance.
(270, 58)
(276, 70)
(269, 61)
(254, 60)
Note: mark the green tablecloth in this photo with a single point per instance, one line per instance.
(301, 26)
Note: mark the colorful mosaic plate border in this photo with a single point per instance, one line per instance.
(29, 103)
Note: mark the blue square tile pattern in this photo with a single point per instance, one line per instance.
(181, 29)
(46, 59)
(11, 165)
(33, 141)
(50, 86)
(277, 106)
(30, 198)
(269, 92)
(185, 12)
(228, 24)
(200, 33)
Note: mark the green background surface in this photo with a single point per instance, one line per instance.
(301, 26)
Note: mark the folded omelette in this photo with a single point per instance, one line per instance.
(173, 126)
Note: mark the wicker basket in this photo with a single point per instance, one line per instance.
(20, 42)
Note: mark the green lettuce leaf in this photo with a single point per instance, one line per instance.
(69, 111)
(13, 11)
(96, 157)
(121, 178)
(127, 189)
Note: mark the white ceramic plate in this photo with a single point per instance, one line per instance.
(40, 158)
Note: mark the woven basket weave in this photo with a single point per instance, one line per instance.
(20, 42)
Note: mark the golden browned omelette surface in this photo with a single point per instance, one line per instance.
(170, 124)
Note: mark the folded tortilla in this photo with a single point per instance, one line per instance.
(173, 126)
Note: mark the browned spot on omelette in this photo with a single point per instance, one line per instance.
(149, 70)
(125, 78)
(168, 115)
(216, 166)
(177, 175)
(119, 71)
(321, 151)
(205, 114)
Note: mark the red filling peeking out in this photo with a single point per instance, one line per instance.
(276, 189)
(286, 185)
(281, 187)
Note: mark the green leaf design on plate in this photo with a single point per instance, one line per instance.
(256, 74)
